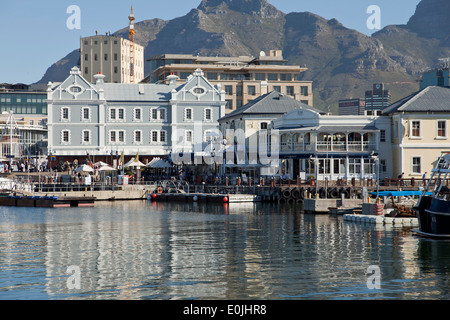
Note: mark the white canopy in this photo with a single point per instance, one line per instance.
(84, 168)
(134, 163)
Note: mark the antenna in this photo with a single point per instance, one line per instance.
(131, 35)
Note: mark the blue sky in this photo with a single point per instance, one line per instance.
(35, 34)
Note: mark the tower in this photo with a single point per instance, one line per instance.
(131, 34)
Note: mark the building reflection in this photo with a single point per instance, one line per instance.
(136, 250)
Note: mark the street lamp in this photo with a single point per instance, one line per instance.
(377, 164)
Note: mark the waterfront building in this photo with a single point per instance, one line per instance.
(333, 147)
(153, 120)
(248, 122)
(243, 78)
(438, 77)
(420, 130)
(354, 107)
(377, 99)
(23, 102)
(22, 136)
(111, 56)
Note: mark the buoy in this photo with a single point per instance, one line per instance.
(225, 199)
(160, 190)
(154, 196)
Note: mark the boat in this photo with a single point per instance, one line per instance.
(433, 207)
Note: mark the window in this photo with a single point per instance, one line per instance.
(121, 114)
(188, 114)
(95, 57)
(354, 166)
(86, 69)
(415, 129)
(112, 136)
(211, 75)
(263, 125)
(228, 89)
(339, 166)
(65, 114)
(112, 114)
(115, 56)
(383, 166)
(229, 104)
(382, 135)
(272, 77)
(162, 136)
(121, 136)
(260, 76)
(416, 165)
(86, 136)
(369, 165)
(442, 128)
(106, 57)
(251, 90)
(324, 166)
(154, 136)
(304, 90)
(285, 77)
(137, 136)
(65, 136)
(188, 136)
(199, 91)
(86, 57)
(154, 114)
(137, 114)
(116, 70)
(85, 114)
(208, 114)
(290, 90)
(162, 114)
(277, 88)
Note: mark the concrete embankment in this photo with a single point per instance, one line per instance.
(134, 192)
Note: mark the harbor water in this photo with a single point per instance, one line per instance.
(151, 250)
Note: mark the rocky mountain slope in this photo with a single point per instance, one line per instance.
(342, 62)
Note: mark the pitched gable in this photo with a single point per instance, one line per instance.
(75, 87)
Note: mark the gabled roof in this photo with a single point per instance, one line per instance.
(430, 99)
(272, 103)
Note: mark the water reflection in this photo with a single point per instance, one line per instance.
(144, 250)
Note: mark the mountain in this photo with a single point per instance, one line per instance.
(341, 62)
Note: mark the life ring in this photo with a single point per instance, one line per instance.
(160, 190)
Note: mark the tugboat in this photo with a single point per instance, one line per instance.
(433, 209)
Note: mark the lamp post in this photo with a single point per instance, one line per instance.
(377, 165)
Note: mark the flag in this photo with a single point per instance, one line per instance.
(121, 159)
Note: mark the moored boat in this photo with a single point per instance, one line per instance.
(433, 207)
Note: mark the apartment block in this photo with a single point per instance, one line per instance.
(243, 78)
(111, 56)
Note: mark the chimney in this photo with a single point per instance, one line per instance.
(172, 79)
(99, 78)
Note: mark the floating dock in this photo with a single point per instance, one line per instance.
(46, 201)
(204, 197)
(381, 220)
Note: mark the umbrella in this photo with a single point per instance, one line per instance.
(100, 164)
(106, 168)
(84, 168)
(134, 163)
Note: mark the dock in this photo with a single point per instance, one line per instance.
(45, 201)
(205, 197)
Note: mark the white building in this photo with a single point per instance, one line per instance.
(333, 147)
(106, 119)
